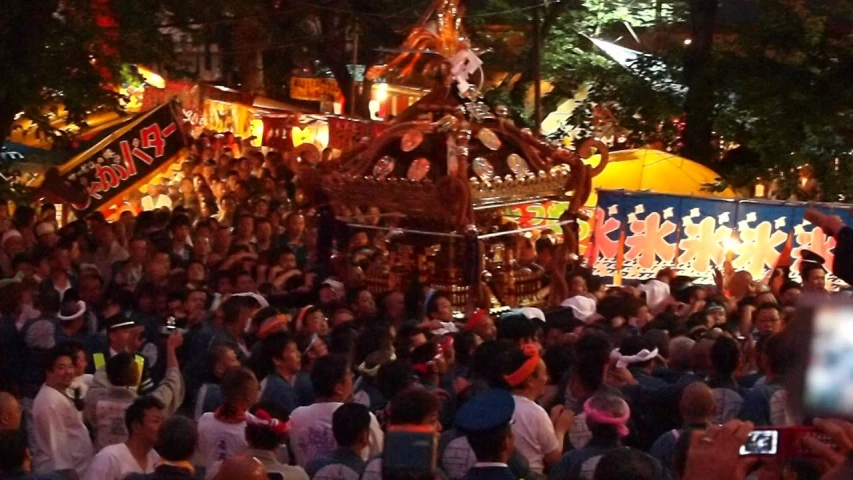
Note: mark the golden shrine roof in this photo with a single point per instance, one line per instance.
(449, 155)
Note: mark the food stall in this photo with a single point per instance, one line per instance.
(101, 177)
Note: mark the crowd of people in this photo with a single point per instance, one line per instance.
(208, 331)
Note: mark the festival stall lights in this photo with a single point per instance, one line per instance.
(380, 93)
(256, 129)
(151, 78)
(128, 157)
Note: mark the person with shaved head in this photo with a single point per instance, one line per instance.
(696, 407)
(10, 413)
(241, 467)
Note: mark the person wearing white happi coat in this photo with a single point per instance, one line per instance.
(61, 440)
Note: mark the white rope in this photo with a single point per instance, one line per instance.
(521, 230)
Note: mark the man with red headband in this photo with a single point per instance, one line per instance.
(538, 437)
(483, 325)
(267, 428)
(222, 433)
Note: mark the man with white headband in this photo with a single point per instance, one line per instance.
(637, 354)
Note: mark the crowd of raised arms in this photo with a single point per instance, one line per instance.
(206, 332)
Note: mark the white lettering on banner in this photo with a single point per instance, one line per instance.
(109, 176)
(9, 156)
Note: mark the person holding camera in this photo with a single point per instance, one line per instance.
(123, 335)
(716, 453)
(842, 266)
(114, 389)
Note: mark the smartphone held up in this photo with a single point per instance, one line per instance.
(783, 441)
(825, 376)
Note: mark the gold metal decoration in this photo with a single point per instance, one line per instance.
(479, 112)
(452, 156)
(383, 167)
(447, 123)
(444, 190)
(418, 170)
(489, 138)
(411, 140)
(483, 168)
(518, 165)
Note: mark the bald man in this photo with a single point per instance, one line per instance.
(696, 406)
(10, 412)
(241, 467)
(700, 357)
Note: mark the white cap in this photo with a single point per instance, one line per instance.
(258, 297)
(582, 306)
(336, 286)
(533, 313)
(72, 313)
(623, 361)
(9, 235)
(45, 228)
(656, 293)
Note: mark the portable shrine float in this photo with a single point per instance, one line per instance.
(441, 176)
(443, 173)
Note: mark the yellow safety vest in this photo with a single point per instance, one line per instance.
(100, 362)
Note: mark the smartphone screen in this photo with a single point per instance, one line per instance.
(761, 442)
(828, 380)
